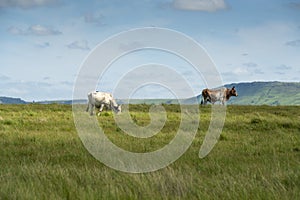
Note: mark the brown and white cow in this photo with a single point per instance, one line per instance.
(222, 95)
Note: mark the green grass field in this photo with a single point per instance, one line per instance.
(257, 156)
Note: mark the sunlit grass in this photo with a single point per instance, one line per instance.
(257, 156)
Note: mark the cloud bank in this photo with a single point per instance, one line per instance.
(293, 43)
(79, 44)
(93, 18)
(200, 5)
(26, 4)
(37, 29)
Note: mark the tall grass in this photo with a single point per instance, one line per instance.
(257, 156)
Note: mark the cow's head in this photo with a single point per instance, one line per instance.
(117, 109)
(233, 92)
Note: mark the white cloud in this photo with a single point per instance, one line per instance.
(4, 78)
(283, 67)
(42, 30)
(46, 78)
(37, 29)
(26, 3)
(240, 71)
(294, 5)
(79, 44)
(258, 71)
(266, 45)
(15, 30)
(250, 64)
(130, 46)
(293, 43)
(268, 36)
(243, 74)
(36, 90)
(200, 5)
(43, 45)
(93, 18)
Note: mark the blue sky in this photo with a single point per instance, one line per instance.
(44, 42)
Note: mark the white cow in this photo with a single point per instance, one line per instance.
(101, 99)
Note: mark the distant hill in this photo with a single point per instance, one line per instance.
(11, 100)
(254, 93)
(268, 93)
(262, 93)
(78, 101)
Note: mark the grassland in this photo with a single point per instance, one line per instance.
(257, 156)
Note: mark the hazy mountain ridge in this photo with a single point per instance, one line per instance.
(11, 100)
(268, 93)
(252, 93)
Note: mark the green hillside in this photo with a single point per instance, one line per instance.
(268, 93)
(254, 93)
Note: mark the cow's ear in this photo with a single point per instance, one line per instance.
(233, 87)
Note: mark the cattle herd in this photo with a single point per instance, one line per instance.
(100, 100)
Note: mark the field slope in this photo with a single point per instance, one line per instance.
(257, 156)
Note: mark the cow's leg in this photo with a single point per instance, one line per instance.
(223, 102)
(203, 101)
(88, 106)
(100, 109)
(208, 99)
(212, 100)
(91, 109)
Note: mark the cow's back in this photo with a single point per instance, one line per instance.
(214, 95)
(102, 97)
(98, 98)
